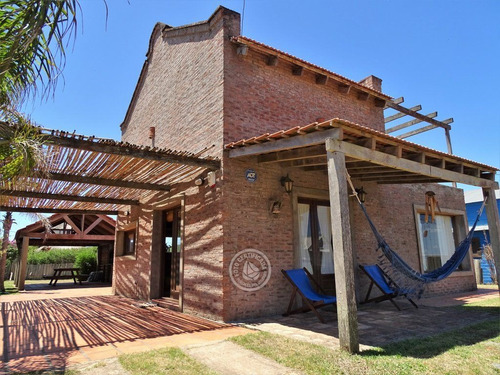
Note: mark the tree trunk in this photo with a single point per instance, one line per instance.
(7, 224)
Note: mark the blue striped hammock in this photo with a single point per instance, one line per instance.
(408, 279)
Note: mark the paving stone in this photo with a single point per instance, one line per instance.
(230, 359)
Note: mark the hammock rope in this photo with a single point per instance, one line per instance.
(409, 280)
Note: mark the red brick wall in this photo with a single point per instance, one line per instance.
(249, 224)
(391, 209)
(181, 94)
(202, 250)
(259, 98)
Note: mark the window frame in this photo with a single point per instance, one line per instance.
(460, 229)
(121, 240)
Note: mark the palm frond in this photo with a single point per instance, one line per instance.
(33, 38)
(21, 148)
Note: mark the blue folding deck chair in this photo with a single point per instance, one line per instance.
(388, 287)
(301, 282)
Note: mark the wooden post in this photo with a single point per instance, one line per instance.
(493, 227)
(342, 250)
(450, 149)
(23, 263)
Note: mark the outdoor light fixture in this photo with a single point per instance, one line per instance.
(199, 181)
(361, 194)
(287, 182)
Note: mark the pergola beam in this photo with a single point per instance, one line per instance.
(423, 130)
(283, 144)
(399, 115)
(408, 123)
(43, 210)
(67, 197)
(388, 160)
(417, 115)
(107, 182)
(131, 151)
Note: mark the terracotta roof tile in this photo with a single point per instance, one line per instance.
(243, 39)
(346, 126)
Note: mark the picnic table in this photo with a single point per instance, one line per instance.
(58, 274)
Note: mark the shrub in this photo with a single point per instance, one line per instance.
(86, 260)
(55, 256)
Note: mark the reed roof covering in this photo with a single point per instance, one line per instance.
(99, 175)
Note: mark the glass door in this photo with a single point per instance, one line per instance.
(172, 253)
(315, 241)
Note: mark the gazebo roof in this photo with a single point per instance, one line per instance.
(70, 229)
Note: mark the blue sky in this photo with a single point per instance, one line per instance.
(442, 54)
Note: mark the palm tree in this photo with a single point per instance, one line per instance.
(7, 224)
(33, 37)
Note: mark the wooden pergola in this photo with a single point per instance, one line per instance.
(338, 146)
(65, 230)
(89, 175)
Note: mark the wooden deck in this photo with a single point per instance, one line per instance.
(39, 327)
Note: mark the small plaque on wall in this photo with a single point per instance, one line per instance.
(251, 175)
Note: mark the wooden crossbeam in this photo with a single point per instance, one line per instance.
(297, 154)
(107, 182)
(132, 151)
(320, 160)
(43, 210)
(89, 237)
(415, 114)
(399, 115)
(422, 130)
(67, 197)
(409, 123)
(93, 225)
(72, 224)
(398, 100)
(310, 139)
(416, 167)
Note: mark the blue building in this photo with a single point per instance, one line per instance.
(473, 202)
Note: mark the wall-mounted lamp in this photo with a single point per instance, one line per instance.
(287, 183)
(199, 181)
(361, 194)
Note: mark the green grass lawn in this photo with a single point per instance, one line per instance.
(163, 361)
(10, 288)
(471, 350)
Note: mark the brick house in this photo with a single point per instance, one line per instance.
(265, 114)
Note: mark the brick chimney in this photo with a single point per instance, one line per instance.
(372, 82)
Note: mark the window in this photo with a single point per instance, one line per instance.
(439, 239)
(129, 242)
(126, 239)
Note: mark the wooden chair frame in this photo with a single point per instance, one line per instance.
(385, 296)
(308, 304)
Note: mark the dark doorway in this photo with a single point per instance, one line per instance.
(172, 252)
